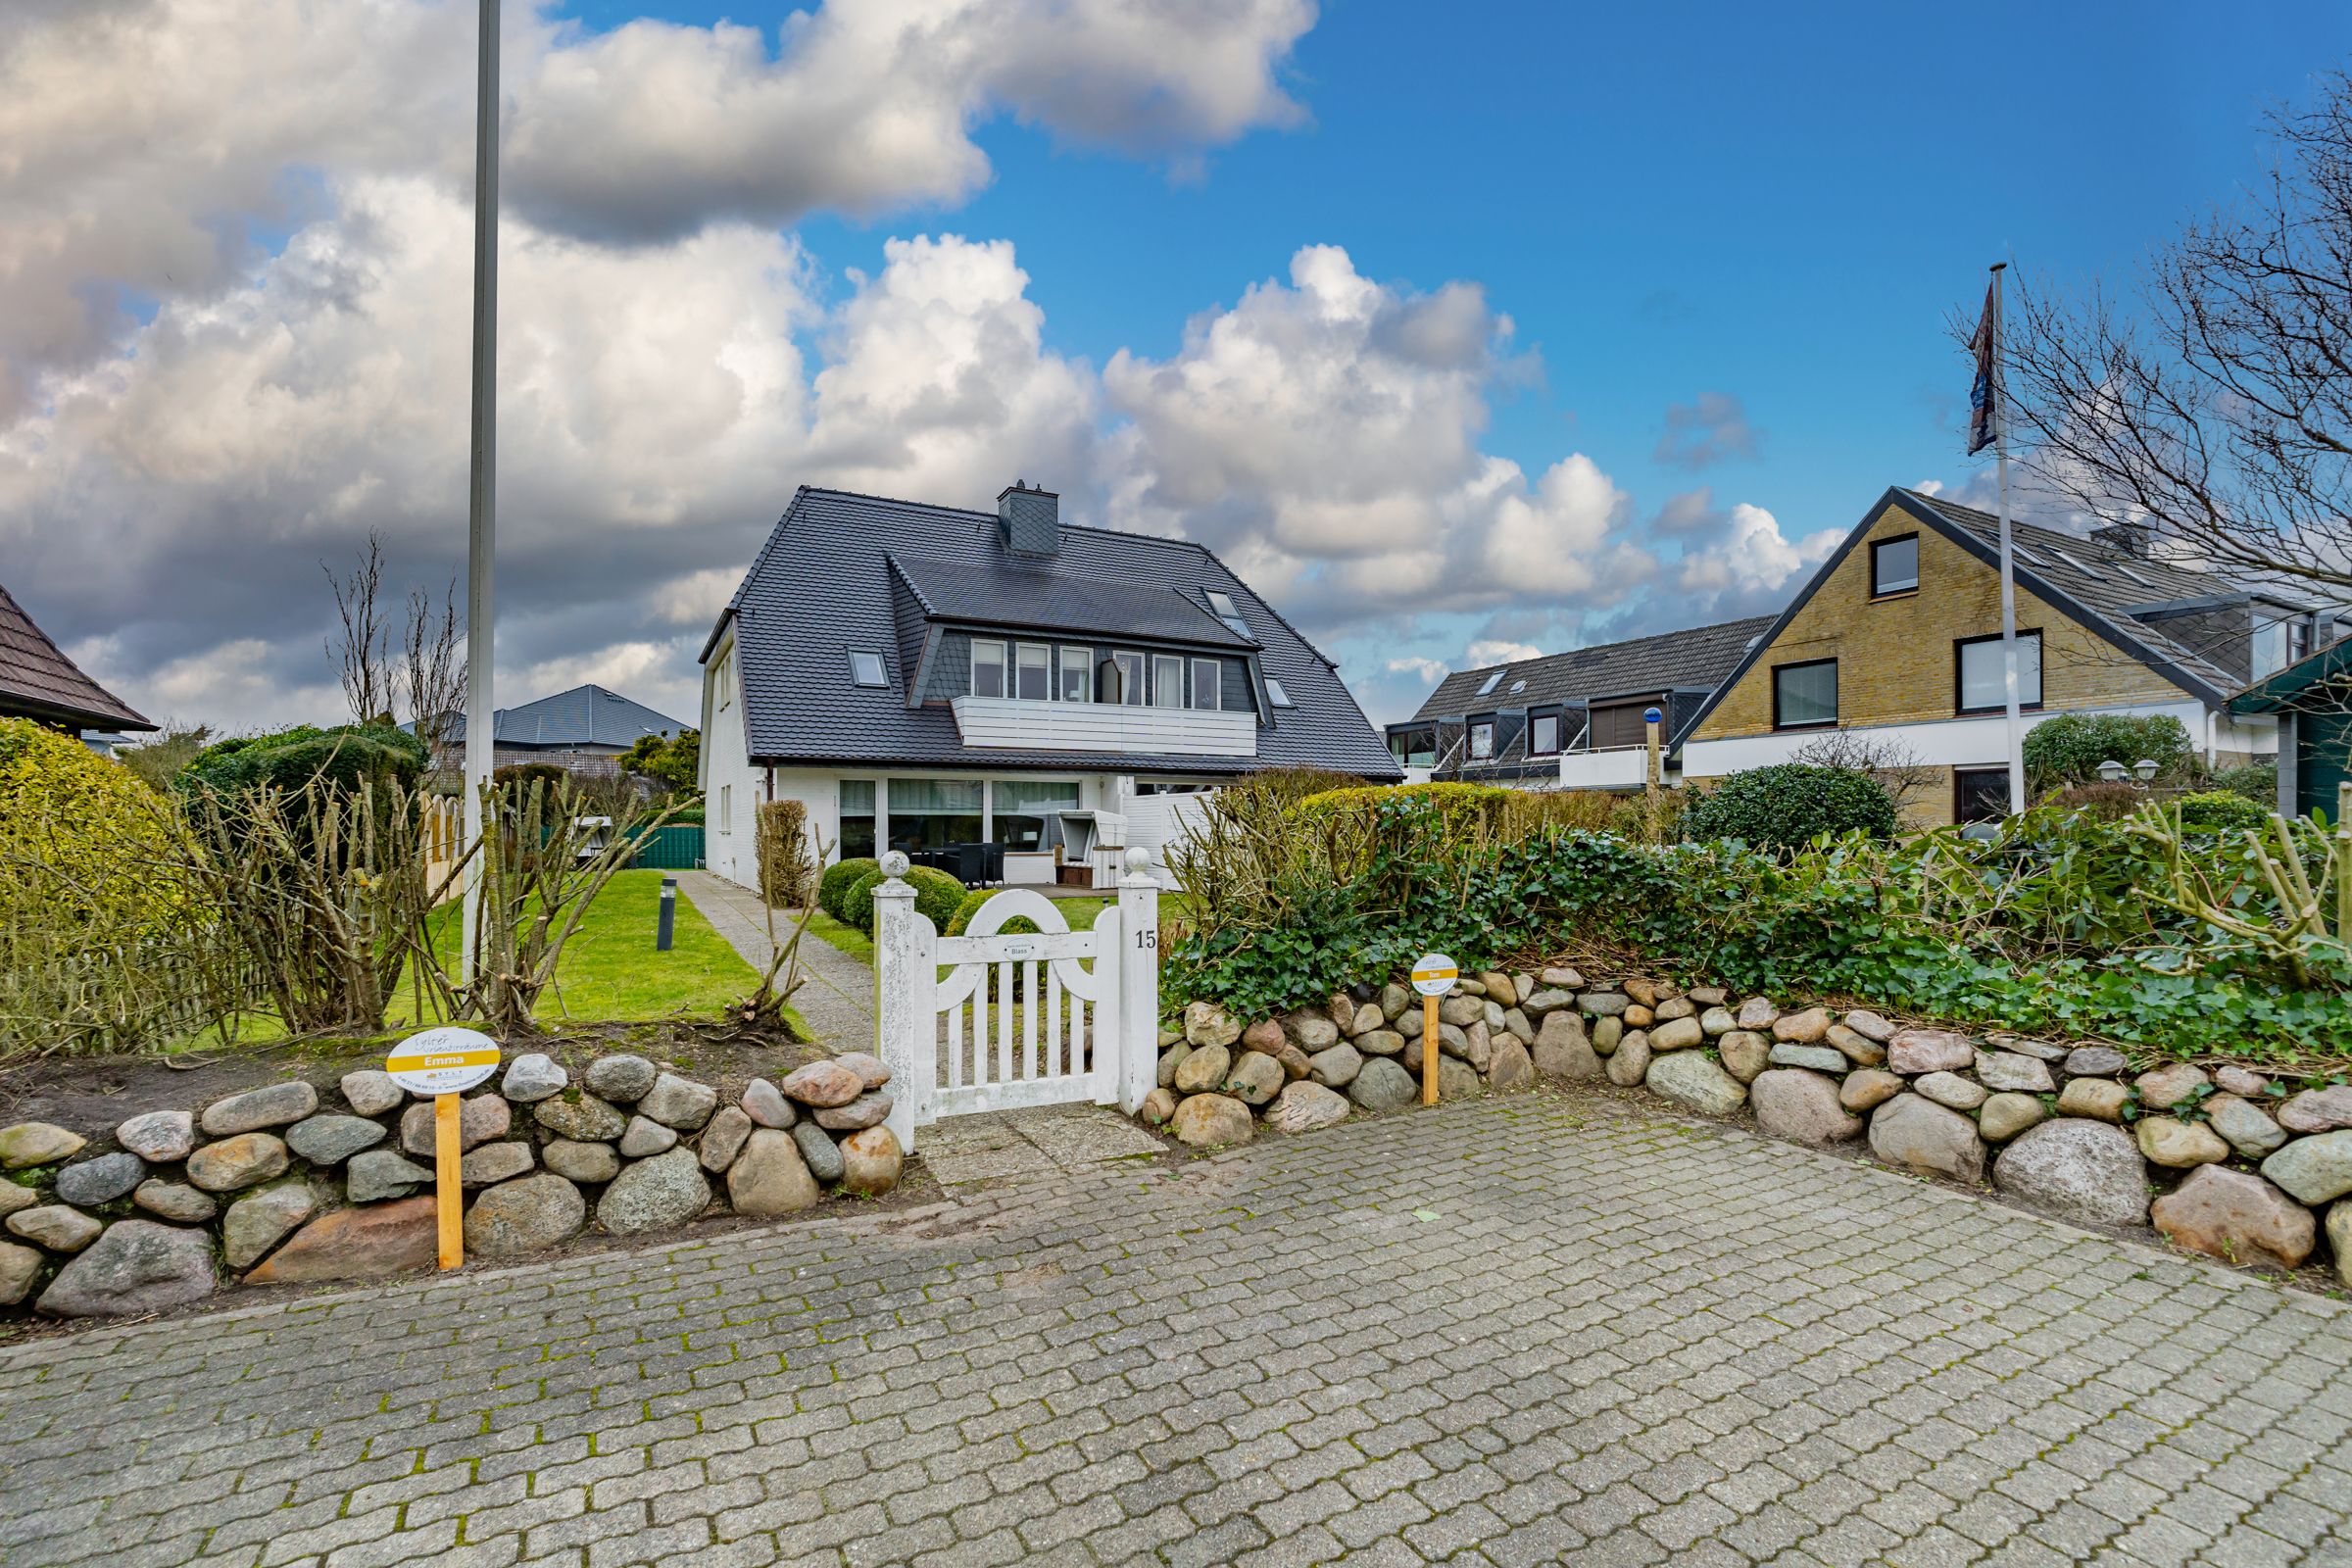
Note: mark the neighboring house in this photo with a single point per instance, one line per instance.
(1896, 639)
(923, 676)
(2312, 701)
(584, 730)
(1572, 720)
(37, 681)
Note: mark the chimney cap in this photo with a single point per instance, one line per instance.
(1024, 487)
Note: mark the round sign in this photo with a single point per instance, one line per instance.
(1434, 974)
(447, 1060)
(1650, 715)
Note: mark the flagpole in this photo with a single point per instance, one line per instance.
(2001, 449)
(480, 710)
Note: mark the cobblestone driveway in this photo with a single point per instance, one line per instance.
(1519, 1330)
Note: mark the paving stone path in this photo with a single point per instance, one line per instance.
(1518, 1331)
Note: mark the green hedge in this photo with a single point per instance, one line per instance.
(2222, 811)
(857, 903)
(961, 921)
(2069, 749)
(841, 876)
(936, 893)
(290, 758)
(1791, 805)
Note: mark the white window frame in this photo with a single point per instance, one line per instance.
(1533, 750)
(726, 807)
(1217, 686)
(723, 675)
(1084, 669)
(1003, 666)
(881, 678)
(1128, 693)
(1162, 696)
(1277, 694)
(2031, 674)
(1044, 665)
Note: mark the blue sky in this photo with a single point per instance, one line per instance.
(1762, 222)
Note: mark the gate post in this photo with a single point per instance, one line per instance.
(1139, 982)
(906, 974)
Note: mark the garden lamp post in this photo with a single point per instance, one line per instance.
(2112, 771)
(480, 712)
(2146, 768)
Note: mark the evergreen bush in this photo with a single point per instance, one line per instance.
(838, 878)
(1789, 805)
(2069, 749)
(936, 893)
(2221, 812)
(857, 903)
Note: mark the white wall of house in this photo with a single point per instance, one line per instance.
(730, 784)
(1978, 742)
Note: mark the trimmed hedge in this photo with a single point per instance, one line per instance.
(2221, 812)
(1455, 804)
(857, 903)
(841, 876)
(936, 893)
(2069, 749)
(966, 911)
(1789, 805)
(345, 755)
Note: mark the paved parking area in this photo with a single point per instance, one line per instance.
(1519, 1330)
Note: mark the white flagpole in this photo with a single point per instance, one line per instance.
(480, 710)
(2001, 448)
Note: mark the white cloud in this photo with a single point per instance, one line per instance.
(1429, 671)
(1490, 652)
(144, 142)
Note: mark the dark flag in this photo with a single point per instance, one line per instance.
(1987, 348)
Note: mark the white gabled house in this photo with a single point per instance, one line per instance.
(937, 680)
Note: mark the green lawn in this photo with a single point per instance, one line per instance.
(609, 971)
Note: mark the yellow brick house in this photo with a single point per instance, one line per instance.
(1896, 639)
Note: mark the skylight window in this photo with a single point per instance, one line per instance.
(1234, 624)
(2081, 566)
(865, 669)
(1492, 681)
(1518, 686)
(1222, 604)
(2133, 575)
(1276, 695)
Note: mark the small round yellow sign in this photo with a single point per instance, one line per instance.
(447, 1060)
(1434, 974)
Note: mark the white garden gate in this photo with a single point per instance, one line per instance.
(1015, 1019)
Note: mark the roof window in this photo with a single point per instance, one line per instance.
(866, 668)
(1492, 681)
(1276, 695)
(2081, 566)
(1221, 603)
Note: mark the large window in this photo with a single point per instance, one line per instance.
(1894, 567)
(856, 819)
(988, 668)
(1023, 812)
(1804, 696)
(1121, 678)
(1414, 747)
(1543, 734)
(1980, 794)
(1032, 676)
(1077, 675)
(1168, 680)
(1204, 683)
(1983, 677)
(930, 814)
(1481, 739)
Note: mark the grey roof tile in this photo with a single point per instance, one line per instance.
(585, 715)
(1695, 659)
(823, 585)
(38, 680)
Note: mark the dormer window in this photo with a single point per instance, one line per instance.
(1482, 738)
(866, 668)
(1205, 685)
(988, 668)
(1032, 673)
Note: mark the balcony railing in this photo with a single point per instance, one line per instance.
(1018, 724)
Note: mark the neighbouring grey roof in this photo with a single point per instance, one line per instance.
(38, 682)
(1692, 660)
(2120, 587)
(1026, 593)
(824, 584)
(585, 715)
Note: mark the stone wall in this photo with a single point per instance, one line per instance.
(282, 1183)
(2225, 1163)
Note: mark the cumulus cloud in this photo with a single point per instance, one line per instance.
(1429, 670)
(1490, 652)
(147, 145)
(1701, 434)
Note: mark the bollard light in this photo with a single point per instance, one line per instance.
(670, 915)
(2146, 768)
(2112, 771)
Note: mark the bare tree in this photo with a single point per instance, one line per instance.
(1893, 767)
(2212, 403)
(432, 668)
(361, 643)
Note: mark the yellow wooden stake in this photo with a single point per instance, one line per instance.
(1429, 1051)
(450, 1187)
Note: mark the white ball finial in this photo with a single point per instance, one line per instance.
(1139, 860)
(895, 864)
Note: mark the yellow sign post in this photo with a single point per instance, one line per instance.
(444, 1063)
(1434, 974)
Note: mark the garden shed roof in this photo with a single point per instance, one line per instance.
(38, 682)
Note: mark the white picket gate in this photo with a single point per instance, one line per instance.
(1075, 1015)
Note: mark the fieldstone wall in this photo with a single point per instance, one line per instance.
(281, 1184)
(2227, 1163)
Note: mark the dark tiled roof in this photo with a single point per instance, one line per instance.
(823, 585)
(38, 682)
(2119, 586)
(1027, 594)
(1693, 660)
(585, 715)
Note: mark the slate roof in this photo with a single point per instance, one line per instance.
(825, 583)
(2105, 587)
(1693, 660)
(585, 715)
(38, 682)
